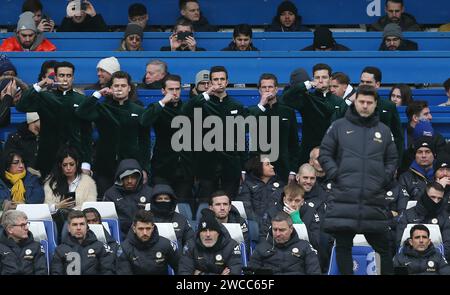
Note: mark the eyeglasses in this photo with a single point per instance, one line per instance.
(23, 225)
(17, 162)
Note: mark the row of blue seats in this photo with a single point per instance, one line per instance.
(263, 41)
(246, 67)
(256, 12)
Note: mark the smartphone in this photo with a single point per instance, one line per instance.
(83, 6)
(69, 195)
(183, 35)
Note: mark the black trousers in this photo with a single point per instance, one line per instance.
(378, 241)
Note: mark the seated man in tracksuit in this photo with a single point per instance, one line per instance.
(293, 203)
(213, 252)
(163, 204)
(430, 209)
(283, 252)
(94, 257)
(220, 204)
(128, 193)
(144, 251)
(20, 253)
(419, 256)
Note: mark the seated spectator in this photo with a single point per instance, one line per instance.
(163, 204)
(324, 41)
(190, 10)
(137, 14)
(261, 189)
(132, 39)
(340, 86)
(395, 13)
(128, 193)
(47, 69)
(242, 39)
(287, 19)
(11, 89)
(447, 92)
(43, 22)
(93, 217)
(105, 68)
(293, 203)
(27, 37)
(67, 187)
(6, 67)
(201, 83)
(401, 95)
(96, 257)
(419, 256)
(145, 252)
(21, 254)
(393, 40)
(283, 252)
(430, 209)
(25, 140)
(82, 19)
(16, 185)
(182, 38)
(155, 72)
(212, 251)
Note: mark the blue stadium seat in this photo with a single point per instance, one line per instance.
(235, 231)
(166, 230)
(37, 228)
(108, 213)
(201, 206)
(253, 231)
(185, 210)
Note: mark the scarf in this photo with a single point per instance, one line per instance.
(18, 189)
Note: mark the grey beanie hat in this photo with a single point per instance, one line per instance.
(26, 22)
(134, 29)
(392, 30)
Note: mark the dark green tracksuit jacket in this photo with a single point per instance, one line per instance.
(387, 111)
(59, 124)
(120, 134)
(288, 136)
(317, 111)
(165, 160)
(229, 164)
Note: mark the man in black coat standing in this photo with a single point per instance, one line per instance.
(359, 156)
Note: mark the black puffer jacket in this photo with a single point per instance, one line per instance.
(308, 215)
(24, 258)
(295, 257)
(128, 202)
(96, 258)
(414, 182)
(429, 262)
(258, 196)
(211, 261)
(165, 212)
(317, 199)
(232, 47)
(407, 23)
(359, 155)
(427, 212)
(147, 258)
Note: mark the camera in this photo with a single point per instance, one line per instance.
(183, 35)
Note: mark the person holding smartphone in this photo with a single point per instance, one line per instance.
(182, 38)
(82, 17)
(42, 21)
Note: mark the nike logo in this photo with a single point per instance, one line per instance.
(255, 186)
(75, 105)
(407, 263)
(336, 107)
(118, 199)
(6, 253)
(384, 111)
(284, 119)
(350, 131)
(134, 115)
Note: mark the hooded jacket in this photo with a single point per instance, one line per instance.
(358, 154)
(211, 261)
(96, 258)
(147, 258)
(128, 202)
(40, 44)
(427, 212)
(258, 196)
(295, 257)
(24, 258)
(428, 262)
(165, 212)
(276, 26)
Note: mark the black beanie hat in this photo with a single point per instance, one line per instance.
(208, 221)
(287, 6)
(424, 141)
(323, 38)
